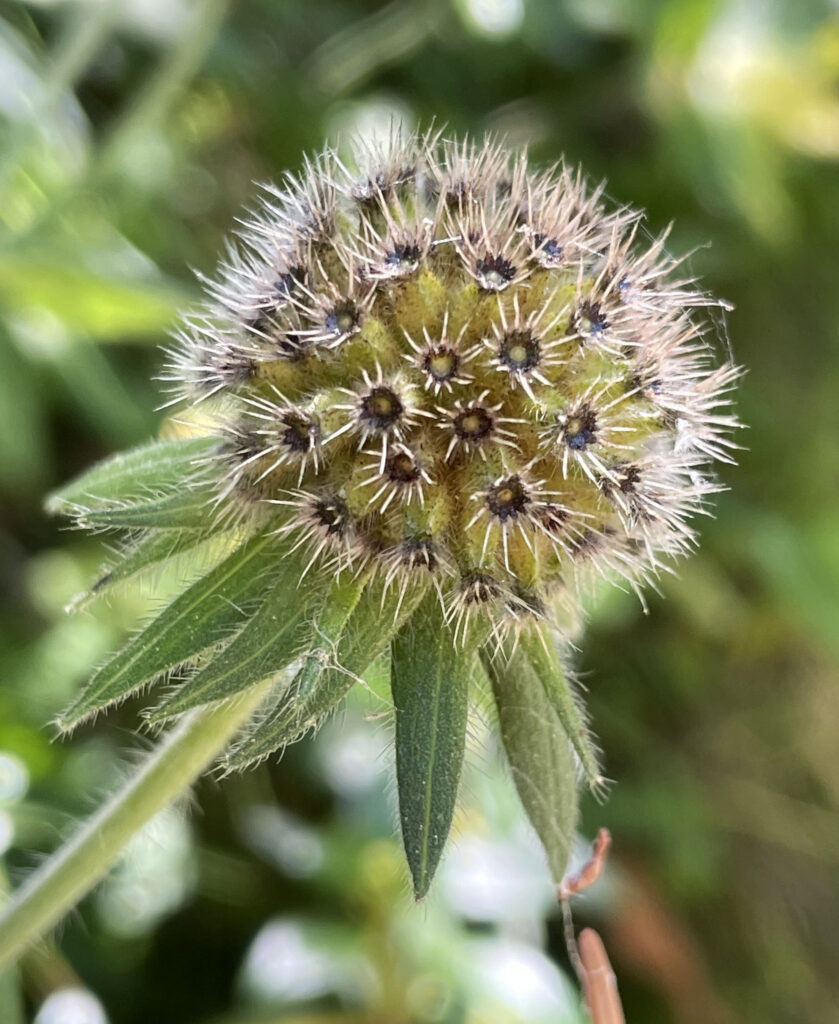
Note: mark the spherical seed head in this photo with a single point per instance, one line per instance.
(447, 363)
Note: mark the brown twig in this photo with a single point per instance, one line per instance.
(598, 980)
(590, 871)
(589, 956)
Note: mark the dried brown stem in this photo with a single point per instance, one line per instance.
(588, 954)
(598, 980)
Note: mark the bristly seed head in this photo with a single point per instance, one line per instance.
(441, 363)
(494, 273)
(507, 499)
(331, 515)
(473, 424)
(443, 329)
(298, 433)
(380, 408)
(479, 588)
(589, 320)
(343, 319)
(580, 428)
(401, 467)
(519, 351)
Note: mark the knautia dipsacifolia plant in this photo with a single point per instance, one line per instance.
(430, 396)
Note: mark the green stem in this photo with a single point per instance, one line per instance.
(11, 1000)
(73, 870)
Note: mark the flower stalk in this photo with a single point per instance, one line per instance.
(179, 758)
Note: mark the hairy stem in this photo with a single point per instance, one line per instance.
(75, 868)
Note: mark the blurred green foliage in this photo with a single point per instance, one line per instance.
(131, 132)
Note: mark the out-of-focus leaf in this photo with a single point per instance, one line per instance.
(22, 429)
(430, 685)
(11, 997)
(99, 396)
(802, 568)
(97, 307)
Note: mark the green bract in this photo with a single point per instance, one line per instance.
(435, 393)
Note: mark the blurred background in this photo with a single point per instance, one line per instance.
(131, 132)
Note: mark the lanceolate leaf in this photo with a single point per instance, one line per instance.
(316, 690)
(280, 630)
(207, 612)
(539, 650)
(189, 506)
(150, 551)
(541, 758)
(141, 471)
(329, 627)
(430, 683)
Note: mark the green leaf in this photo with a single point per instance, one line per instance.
(279, 631)
(540, 756)
(346, 649)
(142, 471)
(24, 445)
(540, 651)
(11, 995)
(150, 551)
(207, 612)
(430, 685)
(331, 622)
(91, 304)
(188, 507)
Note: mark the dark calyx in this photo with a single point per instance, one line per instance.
(507, 499)
(381, 408)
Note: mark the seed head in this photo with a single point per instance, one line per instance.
(440, 360)
(441, 391)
